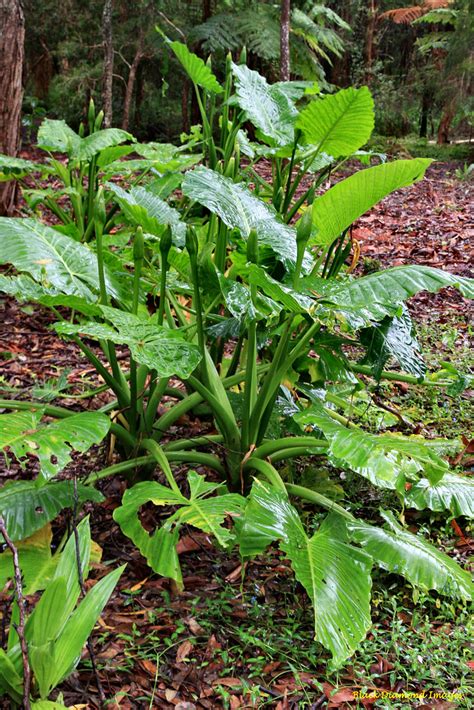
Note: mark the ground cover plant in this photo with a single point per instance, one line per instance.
(214, 291)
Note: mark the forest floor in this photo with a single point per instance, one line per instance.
(234, 640)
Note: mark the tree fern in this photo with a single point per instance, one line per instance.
(219, 32)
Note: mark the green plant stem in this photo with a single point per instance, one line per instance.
(194, 457)
(269, 386)
(57, 210)
(291, 453)
(207, 129)
(119, 468)
(115, 385)
(178, 410)
(268, 471)
(177, 309)
(221, 247)
(287, 198)
(100, 266)
(91, 188)
(219, 409)
(289, 215)
(234, 363)
(183, 444)
(271, 447)
(396, 376)
(157, 452)
(153, 401)
(318, 499)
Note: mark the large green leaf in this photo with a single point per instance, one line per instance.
(384, 459)
(166, 157)
(339, 124)
(393, 337)
(67, 569)
(98, 141)
(377, 294)
(398, 550)
(142, 207)
(239, 208)
(52, 259)
(339, 207)
(23, 433)
(56, 135)
(196, 68)
(16, 168)
(67, 648)
(23, 288)
(335, 575)
(452, 492)
(292, 300)
(151, 344)
(48, 705)
(268, 107)
(27, 507)
(11, 682)
(36, 561)
(207, 514)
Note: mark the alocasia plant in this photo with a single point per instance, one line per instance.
(254, 305)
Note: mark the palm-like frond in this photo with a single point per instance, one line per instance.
(217, 33)
(407, 15)
(258, 28)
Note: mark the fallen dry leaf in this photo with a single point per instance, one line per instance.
(184, 649)
(228, 682)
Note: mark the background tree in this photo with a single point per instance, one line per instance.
(285, 40)
(107, 80)
(12, 36)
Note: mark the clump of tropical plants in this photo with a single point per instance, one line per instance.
(234, 297)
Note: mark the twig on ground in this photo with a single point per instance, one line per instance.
(20, 627)
(90, 647)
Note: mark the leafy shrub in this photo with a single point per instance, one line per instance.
(259, 268)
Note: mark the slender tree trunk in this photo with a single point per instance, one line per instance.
(12, 35)
(132, 74)
(447, 116)
(206, 10)
(139, 95)
(425, 107)
(107, 77)
(285, 40)
(369, 41)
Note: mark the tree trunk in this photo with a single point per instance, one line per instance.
(425, 107)
(132, 74)
(107, 77)
(12, 35)
(369, 41)
(206, 10)
(447, 116)
(285, 40)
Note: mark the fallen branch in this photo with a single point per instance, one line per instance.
(20, 627)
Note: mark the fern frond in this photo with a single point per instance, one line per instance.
(317, 37)
(219, 32)
(321, 12)
(440, 16)
(260, 29)
(433, 41)
(407, 15)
